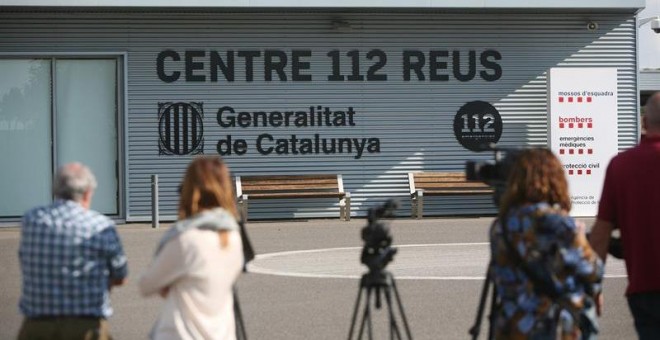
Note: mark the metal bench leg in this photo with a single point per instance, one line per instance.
(243, 207)
(420, 204)
(345, 207)
(348, 206)
(342, 208)
(413, 206)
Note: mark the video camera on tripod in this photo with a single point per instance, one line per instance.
(378, 252)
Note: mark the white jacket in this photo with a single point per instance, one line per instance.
(200, 275)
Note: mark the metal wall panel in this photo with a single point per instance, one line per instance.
(545, 4)
(649, 80)
(413, 119)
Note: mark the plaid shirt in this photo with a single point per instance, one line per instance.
(68, 256)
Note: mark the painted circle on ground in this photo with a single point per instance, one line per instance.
(441, 261)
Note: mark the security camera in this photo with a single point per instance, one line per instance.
(655, 25)
(592, 26)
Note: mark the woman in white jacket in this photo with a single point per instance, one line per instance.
(199, 259)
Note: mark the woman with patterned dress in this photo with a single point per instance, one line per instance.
(546, 274)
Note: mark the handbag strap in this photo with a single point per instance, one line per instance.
(248, 250)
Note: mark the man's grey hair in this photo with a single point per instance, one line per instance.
(72, 181)
(652, 111)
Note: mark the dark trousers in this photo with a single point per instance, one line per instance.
(64, 328)
(645, 308)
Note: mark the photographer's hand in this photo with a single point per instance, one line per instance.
(600, 237)
(599, 300)
(116, 282)
(164, 291)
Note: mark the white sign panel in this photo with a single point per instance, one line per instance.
(582, 129)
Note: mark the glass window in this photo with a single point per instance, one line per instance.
(25, 135)
(54, 111)
(86, 122)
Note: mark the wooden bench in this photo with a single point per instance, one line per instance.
(292, 186)
(441, 184)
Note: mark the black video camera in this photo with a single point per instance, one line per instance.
(377, 251)
(494, 173)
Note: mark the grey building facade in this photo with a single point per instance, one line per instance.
(370, 91)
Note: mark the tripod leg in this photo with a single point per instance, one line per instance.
(491, 315)
(403, 313)
(238, 316)
(394, 328)
(355, 311)
(476, 328)
(378, 304)
(366, 316)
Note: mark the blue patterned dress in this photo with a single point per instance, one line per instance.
(548, 242)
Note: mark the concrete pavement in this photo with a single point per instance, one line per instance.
(311, 288)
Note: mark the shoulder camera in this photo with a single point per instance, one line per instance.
(496, 172)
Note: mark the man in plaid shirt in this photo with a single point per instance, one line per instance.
(70, 258)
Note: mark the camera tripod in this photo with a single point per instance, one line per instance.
(248, 255)
(241, 334)
(375, 283)
(476, 328)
